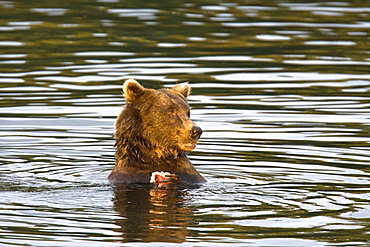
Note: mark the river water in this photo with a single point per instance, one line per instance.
(280, 88)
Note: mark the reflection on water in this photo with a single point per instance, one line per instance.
(152, 215)
(280, 88)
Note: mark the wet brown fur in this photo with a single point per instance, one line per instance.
(153, 134)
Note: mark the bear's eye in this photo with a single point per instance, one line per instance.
(171, 111)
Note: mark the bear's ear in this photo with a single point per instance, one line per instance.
(132, 89)
(183, 88)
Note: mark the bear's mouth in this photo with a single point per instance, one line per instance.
(188, 146)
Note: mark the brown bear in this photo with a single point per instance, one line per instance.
(153, 134)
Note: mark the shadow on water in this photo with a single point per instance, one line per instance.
(152, 215)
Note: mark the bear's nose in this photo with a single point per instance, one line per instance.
(196, 132)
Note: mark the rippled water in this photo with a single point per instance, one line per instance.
(280, 88)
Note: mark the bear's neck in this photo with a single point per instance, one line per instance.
(137, 151)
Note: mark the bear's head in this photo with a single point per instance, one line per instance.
(155, 124)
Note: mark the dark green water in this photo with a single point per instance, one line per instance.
(280, 88)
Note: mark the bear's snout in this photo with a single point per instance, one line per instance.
(196, 132)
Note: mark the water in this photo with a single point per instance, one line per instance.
(280, 88)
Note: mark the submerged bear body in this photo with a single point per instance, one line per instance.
(153, 133)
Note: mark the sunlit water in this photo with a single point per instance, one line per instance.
(280, 88)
